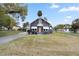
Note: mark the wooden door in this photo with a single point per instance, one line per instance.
(40, 29)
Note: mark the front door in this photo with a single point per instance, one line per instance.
(40, 29)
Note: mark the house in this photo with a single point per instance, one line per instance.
(63, 28)
(16, 28)
(41, 26)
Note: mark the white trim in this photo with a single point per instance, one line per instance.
(50, 27)
(33, 27)
(45, 27)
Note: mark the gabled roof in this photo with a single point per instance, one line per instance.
(43, 20)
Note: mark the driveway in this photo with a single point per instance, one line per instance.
(7, 39)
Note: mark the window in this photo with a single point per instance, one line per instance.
(45, 29)
(33, 29)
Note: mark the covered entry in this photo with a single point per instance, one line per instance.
(39, 29)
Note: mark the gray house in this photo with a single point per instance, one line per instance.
(41, 26)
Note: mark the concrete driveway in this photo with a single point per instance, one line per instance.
(7, 39)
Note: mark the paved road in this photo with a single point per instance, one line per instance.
(7, 39)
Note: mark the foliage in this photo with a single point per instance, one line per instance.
(45, 18)
(2, 11)
(75, 25)
(76, 22)
(7, 21)
(66, 26)
(25, 26)
(15, 8)
(9, 8)
(39, 13)
(60, 26)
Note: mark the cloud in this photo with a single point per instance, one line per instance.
(72, 8)
(65, 20)
(68, 17)
(54, 6)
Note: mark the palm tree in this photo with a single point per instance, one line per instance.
(39, 13)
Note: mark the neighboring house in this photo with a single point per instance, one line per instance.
(16, 28)
(63, 30)
(66, 28)
(4, 28)
(41, 26)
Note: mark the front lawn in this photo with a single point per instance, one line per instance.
(6, 33)
(44, 45)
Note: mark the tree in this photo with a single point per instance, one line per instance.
(67, 26)
(2, 11)
(60, 26)
(39, 13)
(15, 8)
(25, 25)
(75, 25)
(11, 8)
(7, 21)
(45, 18)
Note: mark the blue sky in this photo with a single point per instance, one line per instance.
(59, 13)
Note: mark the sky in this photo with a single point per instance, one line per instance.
(56, 13)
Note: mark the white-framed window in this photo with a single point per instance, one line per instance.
(45, 29)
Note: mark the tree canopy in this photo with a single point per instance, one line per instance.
(60, 26)
(7, 21)
(9, 8)
(16, 8)
(75, 25)
(39, 13)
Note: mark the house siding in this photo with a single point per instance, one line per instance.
(40, 29)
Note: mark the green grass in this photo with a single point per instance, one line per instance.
(44, 45)
(6, 33)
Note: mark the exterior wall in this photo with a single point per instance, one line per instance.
(45, 28)
(63, 30)
(66, 30)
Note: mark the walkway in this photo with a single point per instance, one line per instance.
(7, 39)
